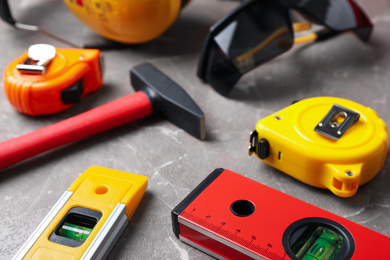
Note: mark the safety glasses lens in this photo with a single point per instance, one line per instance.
(254, 34)
(338, 15)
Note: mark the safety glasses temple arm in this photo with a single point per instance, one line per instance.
(325, 34)
(297, 27)
(300, 27)
(319, 35)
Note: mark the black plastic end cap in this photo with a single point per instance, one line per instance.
(191, 197)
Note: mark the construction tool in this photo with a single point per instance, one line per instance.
(47, 80)
(230, 216)
(156, 94)
(326, 142)
(89, 218)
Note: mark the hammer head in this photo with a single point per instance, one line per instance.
(169, 99)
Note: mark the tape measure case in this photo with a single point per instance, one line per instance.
(36, 86)
(325, 142)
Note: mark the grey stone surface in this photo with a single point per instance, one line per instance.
(174, 161)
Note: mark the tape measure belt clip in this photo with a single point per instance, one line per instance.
(336, 122)
(39, 58)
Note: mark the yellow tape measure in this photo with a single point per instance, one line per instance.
(326, 142)
(89, 218)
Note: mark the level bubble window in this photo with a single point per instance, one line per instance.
(75, 227)
(322, 244)
(318, 239)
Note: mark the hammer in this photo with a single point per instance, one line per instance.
(156, 93)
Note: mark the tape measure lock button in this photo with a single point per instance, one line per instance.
(72, 94)
(326, 142)
(262, 147)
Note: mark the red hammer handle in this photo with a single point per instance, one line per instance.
(113, 114)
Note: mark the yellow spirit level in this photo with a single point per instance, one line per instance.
(89, 217)
(326, 142)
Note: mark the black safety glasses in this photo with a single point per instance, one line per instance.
(259, 30)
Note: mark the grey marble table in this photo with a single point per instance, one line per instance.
(174, 161)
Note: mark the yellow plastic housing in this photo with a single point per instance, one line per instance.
(127, 21)
(99, 189)
(338, 165)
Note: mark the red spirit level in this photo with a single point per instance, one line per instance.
(232, 217)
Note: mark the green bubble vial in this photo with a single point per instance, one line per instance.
(323, 244)
(74, 232)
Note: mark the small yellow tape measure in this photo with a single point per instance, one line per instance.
(325, 142)
(89, 218)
